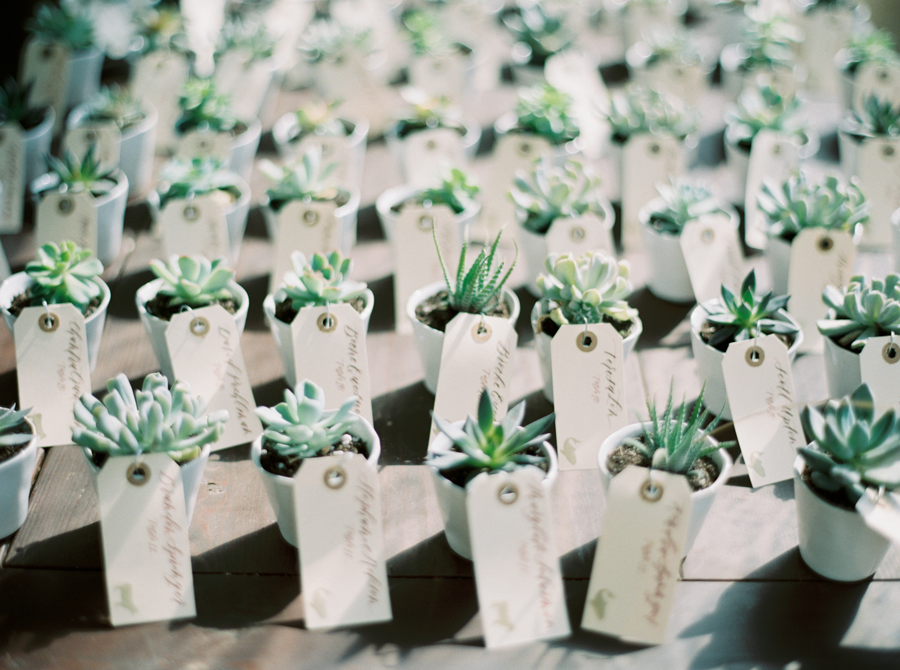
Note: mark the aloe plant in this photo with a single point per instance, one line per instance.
(548, 193)
(204, 108)
(862, 310)
(876, 46)
(14, 429)
(546, 111)
(15, 108)
(182, 179)
(544, 33)
(320, 280)
(306, 180)
(478, 289)
(64, 273)
(71, 175)
(764, 108)
(877, 118)
(452, 188)
(71, 29)
(194, 281)
(682, 202)
(115, 104)
(639, 109)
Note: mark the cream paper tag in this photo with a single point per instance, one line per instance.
(158, 78)
(246, 81)
(827, 32)
(878, 171)
(772, 158)
(881, 513)
(67, 216)
(578, 235)
(330, 349)
(203, 143)
(4, 262)
(647, 160)
(335, 150)
(303, 226)
(712, 254)
(878, 79)
(638, 555)
(683, 81)
(760, 390)
(517, 573)
(146, 549)
(440, 75)
(12, 176)
(53, 368)
(416, 261)
(341, 540)
(426, 153)
(205, 350)
(104, 137)
(358, 88)
(46, 67)
(819, 257)
(476, 356)
(573, 73)
(878, 368)
(589, 375)
(198, 226)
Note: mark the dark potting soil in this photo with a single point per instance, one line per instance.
(285, 312)
(27, 299)
(161, 306)
(837, 498)
(707, 330)
(550, 327)
(278, 464)
(7, 452)
(703, 473)
(436, 311)
(462, 476)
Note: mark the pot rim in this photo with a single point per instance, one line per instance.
(269, 304)
(352, 204)
(117, 191)
(286, 123)
(384, 203)
(238, 292)
(699, 310)
(653, 206)
(430, 289)
(76, 119)
(101, 308)
(206, 450)
(22, 454)
(537, 312)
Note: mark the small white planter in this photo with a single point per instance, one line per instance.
(15, 485)
(85, 68)
(386, 202)
(738, 158)
(281, 331)
(842, 370)
(243, 149)
(37, 146)
(346, 215)
(835, 542)
(430, 342)
(452, 498)
(701, 501)
(468, 144)
(558, 154)
(280, 489)
(156, 327)
(93, 325)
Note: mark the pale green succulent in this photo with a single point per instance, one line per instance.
(11, 427)
(861, 310)
(329, 40)
(64, 273)
(305, 180)
(160, 27)
(877, 118)
(682, 202)
(183, 179)
(770, 40)
(764, 108)
(544, 33)
(547, 112)
(203, 108)
(115, 104)
(426, 113)
(424, 31)
(479, 289)
(71, 175)
(453, 188)
(194, 281)
(319, 118)
(321, 280)
(251, 37)
(72, 29)
(669, 45)
(154, 419)
(549, 192)
(872, 47)
(639, 109)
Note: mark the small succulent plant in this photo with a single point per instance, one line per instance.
(115, 104)
(862, 310)
(15, 108)
(798, 203)
(204, 108)
(639, 109)
(306, 180)
(194, 281)
(485, 445)
(250, 37)
(71, 175)
(154, 419)
(14, 430)
(319, 118)
(668, 45)
(873, 47)
(478, 289)
(69, 28)
(852, 450)
(64, 273)
(543, 33)
(160, 27)
(743, 316)
(182, 178)
(682, 202)
(426, 113)
(877, 118)
(453, 188)
(764, 108)
(320, 280)
(423, 30)
(329, 40)
(550, 192)
(769, 41)
(546, 111)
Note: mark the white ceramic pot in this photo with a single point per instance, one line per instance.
(281, 331)
(452, 498)
(842, 370)
(385, 203)
(85, 68)
(280, 489)
(156, 327)
(895, 239)
(346, 215)
(709, 361)
(738, 159)
(430, 342)
(701, 501)
(468, 144)
(243, 150)
(37, 146)
(15, 486)
(835, 542)
(93, 325)
(558, 154)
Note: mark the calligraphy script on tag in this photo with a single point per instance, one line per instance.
(878, 79)
(67, 216)
(878, 171)
(588, 390)
(878, 368)
(712, 254)
(146, 550)
(578, 235)
(304, 226)
(205, 350)
(517, 574)
(12, 176)
(196, 226)
(341, 542)
(635, 567)
(104, 137)
(45, 66)
(427, 152)
(647, 160)
(881, 513)
(772, 158)
(158, 77)
(53, 368)
(760, 390)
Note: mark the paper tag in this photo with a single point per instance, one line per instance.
(440, 76)
(878, 171)
(772, 158)
(303, 226)
(426, 153)
(105, 137)
(335, 150)
(198, 226)
(589, 376)
(827, 32)
(158, 78)
(359, 89)
(881, 514)
(476, 356)
(67, 216)
(578, 235)
(53, 368)
(340, 535)
(205, 349)
(638, 555)
(46, 67)
(712, 254)
(678, 79)
(4, 263)
(761, 396)
(330, 349)
(202, 143)
(647, 160)
(878, 79)
(249, 85)
(819, 257)
(878, 369)
(576, 75)
(517, 574)
(12, 176)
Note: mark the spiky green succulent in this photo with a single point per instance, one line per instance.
(319, 118)
(479, 289)
(543, 32)
(639, 109)
(769, 41)
(182, 178)
(194, 281)
(546, 111)
(320, 280)
(115, 104)
(549, 192)
(682, 202)
(247, 36)
(330, 40)
(154, 419)
(73, 175)
(453, 188)
(877, 118)
(12, 423)
(485, 445)
(64, 273)
(72, 29)
(764, 108)
(203, 108)
(305, 180)
(15, 108)
(851, 449)
(876, 46)
(861, 310)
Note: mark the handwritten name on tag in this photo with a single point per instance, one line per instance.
(304, 226)
(330, 349)
(204, 143)
(819, 257)
(341, 541)
(157, 78)
(146, 549)
(881, 513)
(427, 152)
(647, 160)
(45, 66)
(517, 574)
(878, 171)
(878, 79)
(104, 137)
(67, 216)
(712, 254)
(53, 368)
(635, 567)
(760, 390)
(197, 226)
(578, 235)
(589, 375)
(878, 368)
(205, 350)
(12, 176)
(772, 158)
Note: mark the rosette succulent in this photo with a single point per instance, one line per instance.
(71, 175)
(64, 273)
(71, 29)
(319, 118)
(877, 118)
(549, 192)
(194, 281)
(478, 289)
(682, 202)
(546, 111)
(764, 108)
(160, 27)
(115, 104)
(14, 430)
(204, 108)
(321, 280)
(543, 33)
(639, 109)
(667, 45)
(250, 37)
(305, 180)
(425, 34)
(872, 47)
(182, 179)
(329, 40)
(861, 310)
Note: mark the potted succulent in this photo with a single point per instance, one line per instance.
(315, 282)
(152, 420)
(826, 26)
(674, 441)
(328, 45)
(439, 66)
(35, 121)
(734, 318)
(668, 61)
(856, 312)
(63, 273)
(851, 453)
(462, 450)
(300, 428)
(478, 289)
(18, 457)
(585, 289)
(875, 47)
(542, 122)
(662, 221)
(640, 17)
(246, 65)
(108, 190)
(538, 35)
(186, 282)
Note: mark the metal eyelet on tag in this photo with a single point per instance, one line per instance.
(891, 353)
(47, 53)
(425, 223)
(708, 235)
(883, 74)
(678, 72)
(310, 217)
(776, 149)
(203, 145)
(138, 473)
(577, 233)
(524, 149)
(191, 213)
(655, 148)
(650, 491)
(48, 322)
(826, 244)
(887, 151)
(755, 356)
(508, 494)
(90, 136)
(327, 322)
(481, 332)
(586, 341)
(431, 145)
(200, 326)
(335, 477)
(65, 205)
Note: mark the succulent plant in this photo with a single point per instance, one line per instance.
(769, 40)
(546, 111)
(194, 281)
(250, 37)
(764, 108)
(71, 175)
(319, 118)
(11, 427)
(682, 202)
(485, 445)
(549, 192)
(453, 188)
(305, 180)
(478, 290)
(115, 104)
(154, 419)
(15, 108)
(852, 449)
(799, 204)
(668, 45)
(160, 27)
(639, 109)
(743, 316)
(426, 113)
(64, 273)
(544, 33)
(204, 108)
(319, 281)
(69, 28)
(425, 35)
(872, 47)
(590, 288)
(182, 178)
(329, 40)
(862, 310)
(877, 118)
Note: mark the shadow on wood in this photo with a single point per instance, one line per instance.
(402, 420)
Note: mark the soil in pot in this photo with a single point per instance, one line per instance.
(284, 310)
(340, 198)
(301, 134)
(707, 330)
(703, 472)
(279, 464)
(161, 306)
(436, 311)
(7, 452)
(406, 128)
(462, 476)
(27, 299)
(99, 459)
(837, 498)
(549, 327)
(34, 119)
